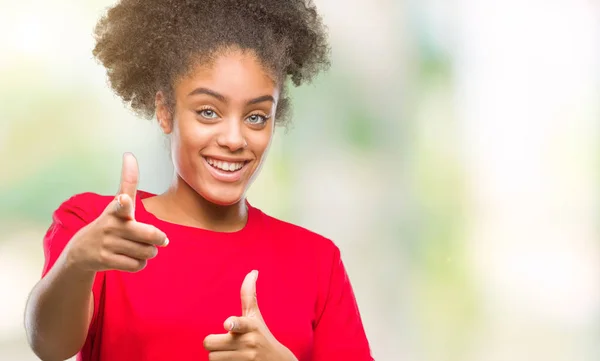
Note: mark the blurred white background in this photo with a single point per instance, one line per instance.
(452, 152)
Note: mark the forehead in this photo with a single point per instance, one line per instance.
(232, 72)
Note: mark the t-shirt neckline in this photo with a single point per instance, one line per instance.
(143, 215)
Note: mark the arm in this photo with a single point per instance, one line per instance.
(60, 307)
(79, 247)
(338, 332)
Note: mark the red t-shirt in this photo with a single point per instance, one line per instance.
(165, 311)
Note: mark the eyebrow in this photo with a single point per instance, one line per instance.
(221, 97)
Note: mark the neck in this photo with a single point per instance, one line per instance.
(181, 204)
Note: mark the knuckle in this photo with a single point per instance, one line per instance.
(106, 229)
(252, 355)
(106, 241)
(110, 227)
(251, 340)
(104, 256)
(109, 244)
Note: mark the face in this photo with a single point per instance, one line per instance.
(222, 125)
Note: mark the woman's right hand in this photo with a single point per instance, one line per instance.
(114, 240)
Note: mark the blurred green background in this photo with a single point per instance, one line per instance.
(452, 152)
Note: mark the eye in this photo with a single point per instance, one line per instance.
(207, 113)
(257, 119)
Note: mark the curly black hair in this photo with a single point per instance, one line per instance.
(146, 45)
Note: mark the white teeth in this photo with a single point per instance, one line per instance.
(226, 166)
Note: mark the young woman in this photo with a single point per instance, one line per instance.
(174, 276)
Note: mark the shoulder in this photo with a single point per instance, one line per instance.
(87, 201)
(81, 206)
(71, 216)
(297, 236)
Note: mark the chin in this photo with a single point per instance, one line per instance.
(221, 198)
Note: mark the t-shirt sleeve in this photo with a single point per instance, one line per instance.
(339, 333)
(68, 219)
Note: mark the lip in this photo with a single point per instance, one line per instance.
(227, 159)
(223, 176)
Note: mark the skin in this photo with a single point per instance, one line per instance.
(60, 307)
(237, 123)
(249, 337)
(232, 117)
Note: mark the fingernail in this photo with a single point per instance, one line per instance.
(231, 325)
(255, 274)
(119, 203)
(166, 242)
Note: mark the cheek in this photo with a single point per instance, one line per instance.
(262, 140)
(188, 139)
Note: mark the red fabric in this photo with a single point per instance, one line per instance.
(184, 294)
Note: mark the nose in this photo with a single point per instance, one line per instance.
(231, 135)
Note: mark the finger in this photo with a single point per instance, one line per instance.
(124, 263)
(229, 356)
(129, 178)
(122, 207)
(240, 325)
(248, 295)
(222, 342)
(132, 249)
(143, 233)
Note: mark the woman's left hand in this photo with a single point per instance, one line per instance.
(249, 338)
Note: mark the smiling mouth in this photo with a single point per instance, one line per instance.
(231, 167)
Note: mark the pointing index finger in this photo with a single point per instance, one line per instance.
(129, 176)
(129, 183)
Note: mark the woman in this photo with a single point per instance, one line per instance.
(173, 276)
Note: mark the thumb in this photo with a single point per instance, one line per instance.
(248, 295)
(128, 186)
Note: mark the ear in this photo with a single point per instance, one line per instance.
(163, 114)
